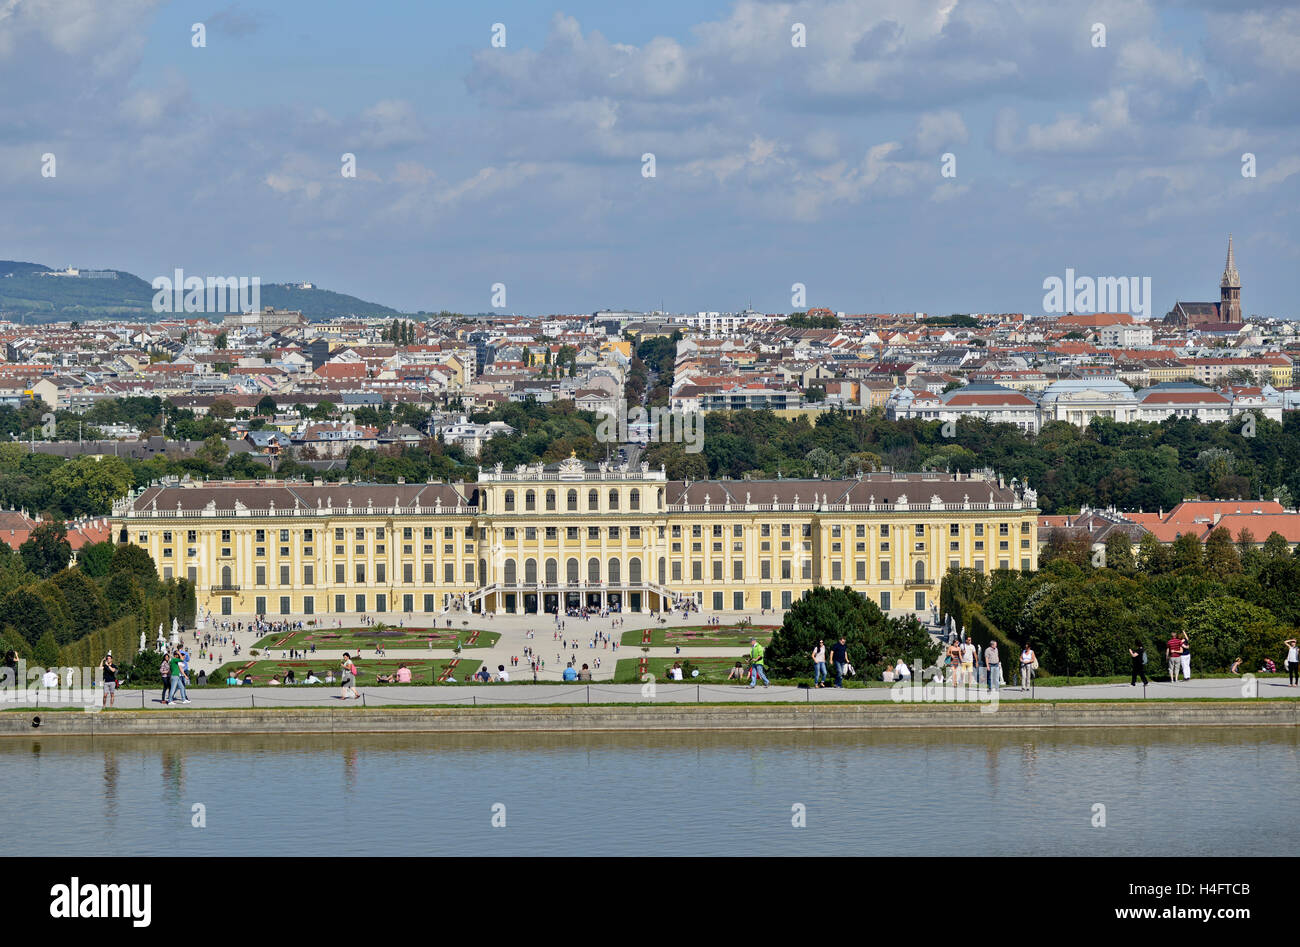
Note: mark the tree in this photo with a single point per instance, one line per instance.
(47, 550)
(85, 485)
(222, 340)
(873, 639)
(1187, 553)
(134, 561)
(214, 450)
(221, 408)
(1220, 629)
(1153, 556)
(1119, 553)
(1276, 548)
(45, 653)
(94, 559)
(266, 407)
(28, 613)
(124, 595)
(86, 606)
(1221, 559)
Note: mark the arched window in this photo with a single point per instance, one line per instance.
(920, 571)
(571, 568)
(663, 572)
(593, 501)
(573, 501)
(661, 498)
(634, 571)
(510, 572)
(530, 500)
(225, 577)
(593, 570)
(613, 499)
(634, 499)
(482, 573)
(530, 571)
(615, 572)
(550, 499)
(552, 572)
(510, 501)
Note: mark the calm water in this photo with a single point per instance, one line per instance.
(925, 793)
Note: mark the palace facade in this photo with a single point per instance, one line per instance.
(557, 536)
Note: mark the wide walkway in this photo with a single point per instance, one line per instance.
(514, 630)
(484, 695)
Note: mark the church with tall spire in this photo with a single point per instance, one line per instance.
(1226, 312)
(1230, 290)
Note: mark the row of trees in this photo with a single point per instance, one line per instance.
(47, 605)
(1082, 612)
(1132, 466)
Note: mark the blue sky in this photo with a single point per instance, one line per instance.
(774, 164)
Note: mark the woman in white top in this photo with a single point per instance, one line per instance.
(1027, 661)
(1292, 663)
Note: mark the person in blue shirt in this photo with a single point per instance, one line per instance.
(570, 674)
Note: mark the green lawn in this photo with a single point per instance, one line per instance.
(713, 670)
(353, 639)
(423, 671)
(697, 636)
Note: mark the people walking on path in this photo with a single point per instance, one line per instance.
(1292, 663)
(178, 680)
(1174, 653)
(1186, 657)
(348, 677)
(756, 663)
(1139, 664)
(165, 669)
(819, 664)
(1028, 664)
(840, 656)
(994, 665)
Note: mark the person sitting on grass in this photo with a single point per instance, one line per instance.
(289, 677)
(1236, 667)
(231, 680)
(737, 673)
(403, 674)
(569, 673)
(274, 680)
(385, 678)
(584, 674)
(248, 679)
(311, 679)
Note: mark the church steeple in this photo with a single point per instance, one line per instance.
(1230, 275)
(1230, 290)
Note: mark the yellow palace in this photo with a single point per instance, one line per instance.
(559, 536)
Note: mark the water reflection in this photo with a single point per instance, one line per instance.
(669, 793)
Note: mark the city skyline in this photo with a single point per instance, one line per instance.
(775, 164)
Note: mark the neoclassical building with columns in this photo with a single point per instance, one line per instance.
(571, 534)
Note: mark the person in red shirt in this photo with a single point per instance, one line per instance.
(1175, 655)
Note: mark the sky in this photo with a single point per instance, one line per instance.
(775, 163)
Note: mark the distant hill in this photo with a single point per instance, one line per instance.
(28, 291)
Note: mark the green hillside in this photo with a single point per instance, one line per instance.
(25, 293)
